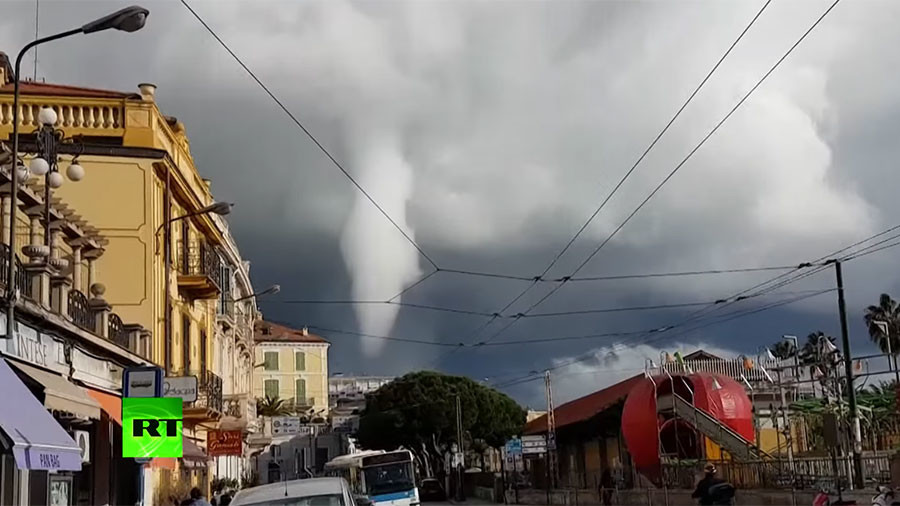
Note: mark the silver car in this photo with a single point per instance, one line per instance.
(308, 492)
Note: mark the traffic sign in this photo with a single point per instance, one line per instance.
(142, 382)
(514, 447)
(534, 444)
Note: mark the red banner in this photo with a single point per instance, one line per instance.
(224, 442)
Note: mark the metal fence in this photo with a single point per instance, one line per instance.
(80, 310)
(806, 473)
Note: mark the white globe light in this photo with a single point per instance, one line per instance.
(39, 166)
(75, 172)
(47, 116)
(21, 172)
(56, 179)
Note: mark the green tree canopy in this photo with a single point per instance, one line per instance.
(418, 412)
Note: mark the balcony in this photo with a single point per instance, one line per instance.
(199, 271)
(240, 413)
(210, 403)
(22, 283)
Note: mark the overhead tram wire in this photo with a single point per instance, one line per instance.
(738, 296)
(693, 151)
(622, 345)
(650, 337)
(309, 134)
(634, 166)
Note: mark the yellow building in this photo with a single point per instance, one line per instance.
(168, 263)
(292, 365)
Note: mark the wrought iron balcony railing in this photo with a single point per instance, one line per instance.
(21, 279)
(80, 310)
(200, 270)
(209, 392)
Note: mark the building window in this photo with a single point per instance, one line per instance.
(300, 361)
(270, 360)
(271, 388)
(300, 392)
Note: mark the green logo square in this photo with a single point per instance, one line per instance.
(151, 427)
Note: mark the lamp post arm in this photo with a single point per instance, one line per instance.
(11, 284)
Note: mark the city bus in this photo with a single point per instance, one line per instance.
(386, 478)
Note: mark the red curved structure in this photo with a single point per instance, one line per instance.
(647, 432)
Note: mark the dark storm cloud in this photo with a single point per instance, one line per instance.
(496, 129)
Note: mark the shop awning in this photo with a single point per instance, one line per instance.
(60, 394)
(109, 403)
(38, 441)
(192, 456)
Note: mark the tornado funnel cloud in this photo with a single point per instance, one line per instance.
(381, 262)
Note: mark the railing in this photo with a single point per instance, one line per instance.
(80, 311)
(116, 331)
(96, 116)
(200, 259)
(808, 472)
(21, 279)
(209, 392)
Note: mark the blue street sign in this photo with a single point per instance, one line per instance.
(514, 447)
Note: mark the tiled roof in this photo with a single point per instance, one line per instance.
(273, 332)
(36, 88)
(586, 407)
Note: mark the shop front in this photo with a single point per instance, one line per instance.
(67, 394)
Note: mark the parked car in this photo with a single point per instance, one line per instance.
(307, 492)
(431, 490)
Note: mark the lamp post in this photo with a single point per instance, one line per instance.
(220, 208)
(129, 19)
(272, 290)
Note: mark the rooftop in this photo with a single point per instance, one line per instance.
(268, 332)
(63, 90)
(585, 408)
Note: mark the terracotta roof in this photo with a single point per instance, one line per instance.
(273, 332)
(35, 88)
(586, 407)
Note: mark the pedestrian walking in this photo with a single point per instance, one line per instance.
(197, 498)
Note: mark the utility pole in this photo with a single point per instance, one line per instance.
(551, 433)
(859, 478)
(458, 458)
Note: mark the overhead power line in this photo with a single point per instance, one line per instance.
(681, 163)
(309, 134)
(625, 177)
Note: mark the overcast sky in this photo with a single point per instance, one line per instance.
(490, 131)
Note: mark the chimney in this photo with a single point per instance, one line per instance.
(305, 331)
(148, 91)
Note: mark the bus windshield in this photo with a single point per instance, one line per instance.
(389, 478)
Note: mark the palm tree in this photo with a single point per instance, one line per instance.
(812, 353)
(272, 406)
(784, 349)
(886, 312)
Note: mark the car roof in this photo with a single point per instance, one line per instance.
(294, 488)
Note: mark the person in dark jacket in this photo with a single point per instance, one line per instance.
(712, 490)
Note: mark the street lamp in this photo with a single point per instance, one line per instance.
(272, 290)
(129, 19)
(220, 208)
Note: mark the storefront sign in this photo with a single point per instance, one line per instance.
(184, 387)
(35, 347)
(224, 442)
(102, 373)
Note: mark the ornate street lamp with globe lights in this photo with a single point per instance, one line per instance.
(46, 161)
